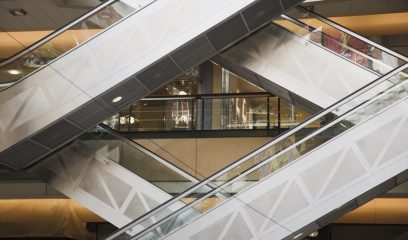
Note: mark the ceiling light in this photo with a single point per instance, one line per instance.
(297, 236)
(314, 234)
(116, 99)
(14, 71)
(17, 12)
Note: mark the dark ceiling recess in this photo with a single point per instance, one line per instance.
(17, 12)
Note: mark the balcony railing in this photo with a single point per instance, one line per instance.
(208, 112)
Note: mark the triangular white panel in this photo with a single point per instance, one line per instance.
(256, 218)
(266, 201)
(293, 202)
(33, 108)
(70, 70)
(350, 169)
(314, 177)
(213, 231)
(12, 106)
(60, 90)
(238, 230)
(152, 203)
(373, 143)
(118, 188)
(398, 145)
(92, 185)
(135, 208)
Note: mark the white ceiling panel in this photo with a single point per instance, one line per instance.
(42, 14)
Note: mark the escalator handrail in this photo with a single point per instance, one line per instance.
(149, 153)
(264, 147)
(348, 31)
(55, 33)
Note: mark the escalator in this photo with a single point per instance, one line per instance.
(16, 40)
(118, 179)
(301, 180)
(92, 168)
(304, 54)
(29, 57)
(113, 176)
(135, 50)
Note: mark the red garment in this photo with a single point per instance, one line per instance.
(332, 40)
(346, 45)
(358, 51)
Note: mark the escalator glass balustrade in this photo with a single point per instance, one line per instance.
(113, 176)
(339, 118)
(340, 41)
(63, 41)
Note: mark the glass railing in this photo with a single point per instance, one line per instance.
(341, 41)
(70, 37)
(208, 112)
(16, 39)
(104, 142)
(291, 146)
(107, 148)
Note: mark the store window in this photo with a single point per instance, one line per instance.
(213, 99)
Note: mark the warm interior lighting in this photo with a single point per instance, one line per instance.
(44, 217)
(14, 71)
(297, 236)
(376, 24)
(116, 99)
(379, 211)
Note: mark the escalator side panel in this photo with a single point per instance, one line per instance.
(104, 68)
(83, 172)
(303, 68)
(267, 85)
(321, 181)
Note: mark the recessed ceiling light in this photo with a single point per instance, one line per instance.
(14, 71)
(17, 12)
(314, 234)
(116, 99)
(297, 236)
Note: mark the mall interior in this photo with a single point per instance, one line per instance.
(197, 120)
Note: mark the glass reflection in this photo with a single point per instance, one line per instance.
(203, 112)
(62, 43)
(315, 29)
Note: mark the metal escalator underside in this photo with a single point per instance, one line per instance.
(73, 93)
